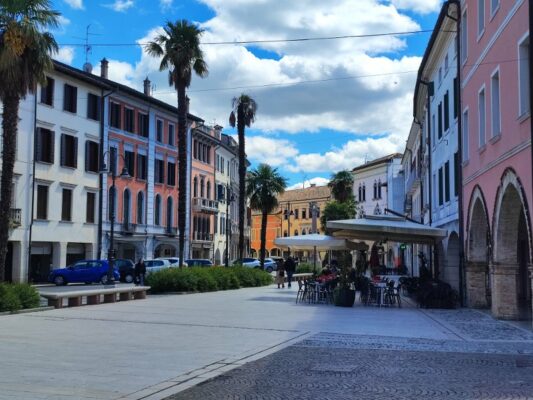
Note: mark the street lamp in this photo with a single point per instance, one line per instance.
(124, 174)
(288, 213)
(229, 199)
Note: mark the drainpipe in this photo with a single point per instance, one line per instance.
(531, 80)
(462, 277)
(32, 187)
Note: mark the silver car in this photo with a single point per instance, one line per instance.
(270, 265)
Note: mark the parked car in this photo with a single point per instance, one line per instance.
(87, 271)
(247, 262)
(126, 269)
(270, 265)
(157, 265)
(198, 262)
(174, 261)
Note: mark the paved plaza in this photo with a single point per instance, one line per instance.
(246, 343)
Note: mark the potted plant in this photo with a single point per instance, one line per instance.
(344, 293)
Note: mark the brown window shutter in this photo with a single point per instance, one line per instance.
(74, 99)
(52, 146)
(87, 156)
(63, 155)
(75, 152)
(38, 145)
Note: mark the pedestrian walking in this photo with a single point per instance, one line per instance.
(280, 276)
(140, 272)
(290, 268)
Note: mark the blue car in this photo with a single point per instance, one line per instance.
(84, 271)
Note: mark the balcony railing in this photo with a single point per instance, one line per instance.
(15, 217)
(128, 228)
(202, 237)
(171, 231)
(204, 205)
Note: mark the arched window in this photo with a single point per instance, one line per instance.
(195, 187)
(126, 210)
(295, 232)
(364, 192)
(379, 189)
(169, 212)
(375, 191)
(284, 233)
(140, 208)
(202, 188)
(157, 210)
(303, 232)
(360, 193)
(208, 189)
(112, 204)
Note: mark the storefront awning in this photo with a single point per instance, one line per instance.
(386, 228)
(318, 241)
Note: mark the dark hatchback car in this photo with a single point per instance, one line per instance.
(126, 269)
(84, 271)
(199, 262)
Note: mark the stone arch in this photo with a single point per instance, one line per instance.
(275, 252)
(253, 252)
(512, 251)
(165, 250)
(478, 250)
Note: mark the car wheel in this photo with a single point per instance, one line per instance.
(269, 269)
(103, 279)
(60, 281)
(128, 278)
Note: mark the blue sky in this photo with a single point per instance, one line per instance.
(357, 106)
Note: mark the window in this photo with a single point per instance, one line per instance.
(523, 76)
(140, 208)
(69, 151)
(480, 17)
(91, 156)
(159, 131)
(208, 190)
(440, 120)
(195, 149)
(91, 202)
(364, 192)
(195, 187)
(129, 120)
(44, 146)
(296, 214)
(447, 181)
(441, 194)
(360, 193)
(494, 5)
(169, 212)
(126, 207)
(455, 98)
(446, 111)
(446, 63)
(115, 116)
(495, 103)
(47, 92)
(202, 188)
(171, 135)
(304, 213)
(141, 167)
(379, 189)
(375, 193)
(142, 124)
(482, 115)
(464, 37)
(157, 210)
(159, 171)
(93, 107)
(66, 205)
(456, 174)
(433, 129)
(70, 98)
(440, 75)
(171, 174)
(465, 128)
(42, 202)
(129, 161)
(434, 194)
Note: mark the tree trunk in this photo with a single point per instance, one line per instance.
(264, 217)
(242, 178)
(9, 138)
(182, 170)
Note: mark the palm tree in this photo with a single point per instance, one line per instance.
(25, 58)
(263, 185)
(179, 49)
(341, 185)
(245, 107)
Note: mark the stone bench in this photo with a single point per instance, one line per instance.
(94, 296)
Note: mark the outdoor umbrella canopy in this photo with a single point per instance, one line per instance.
(318, 241)
(386, 228)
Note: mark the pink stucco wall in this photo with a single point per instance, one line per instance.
(496, 48)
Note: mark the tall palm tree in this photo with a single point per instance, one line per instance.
(245, 107)
(179, 49)
(25, 58)
(341, 185)
(263, 185)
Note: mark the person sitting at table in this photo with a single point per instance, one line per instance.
(326, 270)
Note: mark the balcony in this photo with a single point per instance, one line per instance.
(202, 237)
(128, 228)
(15, 217)
(204, 205)
(171, 231)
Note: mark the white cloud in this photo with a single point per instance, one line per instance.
(419, 6)
(165, 4)
(65, 54)
(318, 181)
(275, 152)
(76, 4)
(120, 5)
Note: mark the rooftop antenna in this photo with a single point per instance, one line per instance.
(87, 48)
(304, 178)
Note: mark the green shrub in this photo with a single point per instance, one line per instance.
(9, 301)
(304, 268)
(27, 295)
(225, 278)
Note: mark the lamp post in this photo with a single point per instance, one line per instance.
(288, 213)
(229, 199)
(124, 174)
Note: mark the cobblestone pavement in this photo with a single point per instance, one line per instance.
(333, 366)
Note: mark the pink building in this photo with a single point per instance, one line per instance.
(497, 159)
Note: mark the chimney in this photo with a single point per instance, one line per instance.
(104, 68)
(147, 84)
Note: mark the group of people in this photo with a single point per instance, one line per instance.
(287, 268)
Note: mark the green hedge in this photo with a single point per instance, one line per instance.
(16, 296)
(304, 268)
(201, 279)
